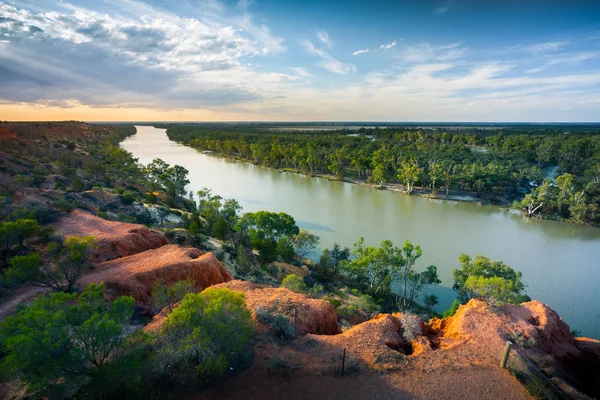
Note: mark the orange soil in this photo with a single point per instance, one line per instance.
(137, 275)
(115, 239)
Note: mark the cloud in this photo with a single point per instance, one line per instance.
(325, 39)
(443, 9)
(301, 71)
(388, 46)
(546, 47)
(565, 59)
(329, 62)
(383, 47)
(425, 52)
(157, 58)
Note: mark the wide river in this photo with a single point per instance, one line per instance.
(560, 262)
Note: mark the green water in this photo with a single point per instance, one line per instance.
(560, 262)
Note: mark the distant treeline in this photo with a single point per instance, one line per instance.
(501, 163)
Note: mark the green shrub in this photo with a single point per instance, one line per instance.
(452, 310)
(62, 345)
(127, 198)
(65, 205)
(206, 336)
(347, 312)
(366, 304)
(294, 283)
(151, 198)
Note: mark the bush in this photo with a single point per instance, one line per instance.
(127, 198)
(366, 304)
(294, 283)
(163, 295)
(452, 310)
(63, 344)
(206, 336)
(65, 205)
(151, 198)
(282, 328)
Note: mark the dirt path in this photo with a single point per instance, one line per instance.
(457, 383)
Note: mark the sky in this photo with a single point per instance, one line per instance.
(311, 60)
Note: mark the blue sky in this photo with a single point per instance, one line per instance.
(310, 60)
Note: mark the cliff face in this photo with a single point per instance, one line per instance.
(114, 239)
(306, 315)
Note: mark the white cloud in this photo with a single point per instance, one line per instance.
(565, 59)
(425, 52)
(383, 47)
(329, 62)
(388, 46)
(301, 71)
(98, 58)
(443, 9)
(324, 37)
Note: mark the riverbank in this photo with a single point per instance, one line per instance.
(452, 195)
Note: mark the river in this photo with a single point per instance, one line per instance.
(560, 262)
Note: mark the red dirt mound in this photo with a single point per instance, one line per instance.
(306, 315)
(137, 275)
(115, 239)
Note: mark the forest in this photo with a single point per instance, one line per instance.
(549, 173)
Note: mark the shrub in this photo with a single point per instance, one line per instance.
(347, 312)
(294, 283)
(127, 198)
(151, 198)
(366, 304)
(62, 344)
(208, 334)
(282, 328)
(163, 295)
(452, 310)
(65, 205)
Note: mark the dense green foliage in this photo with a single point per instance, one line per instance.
(294, 283)
(375, 268)
(489, 280)
(206, 336)
(499, 163)
(270, 233)
(66, 345)
(69, 264)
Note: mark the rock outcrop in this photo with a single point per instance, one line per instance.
(306, 315)
(137, 275)
(115, 239)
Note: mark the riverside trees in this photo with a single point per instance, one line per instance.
(374, 269)
(501, 163)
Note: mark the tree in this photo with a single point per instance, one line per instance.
(409, 173)
(70, 263)
(209, 333)
(265, 229)
(58, 343)
(327, 271)
(490, 280)
(375, 268)
(417, 281)
(13, 234)
(305, 243)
